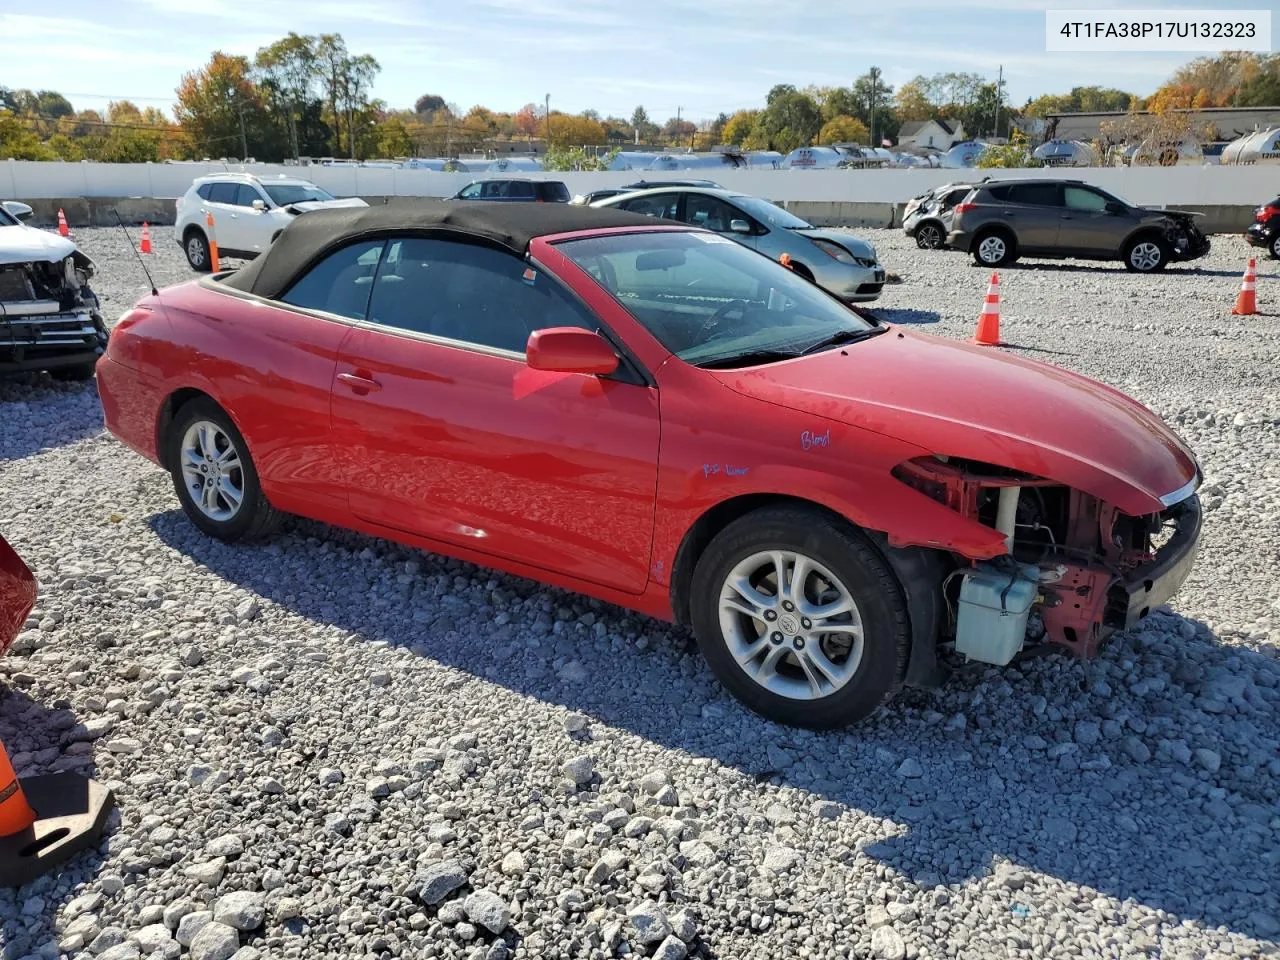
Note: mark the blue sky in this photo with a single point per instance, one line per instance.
(701, 55)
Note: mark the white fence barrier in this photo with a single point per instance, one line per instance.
(1176, 186)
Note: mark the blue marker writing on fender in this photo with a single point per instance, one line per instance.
(715, 469)
(809, 439)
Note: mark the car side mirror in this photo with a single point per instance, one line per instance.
(1115, 207)
(19, 209)
(739, 226)
(259, 205)
(570, 350)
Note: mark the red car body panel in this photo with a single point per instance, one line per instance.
(960, 400)
(592, 484)
(17, 594)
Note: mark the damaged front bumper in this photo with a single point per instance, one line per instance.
(1154, 583)
(49, 318)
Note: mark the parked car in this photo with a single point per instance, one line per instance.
(1003, 220)
(248, 213)
(927, 217)
(49, 317)
(1265, 229)
(513, 190)
(658, 417)
(17, 594)
(837, 261)
(586, 199)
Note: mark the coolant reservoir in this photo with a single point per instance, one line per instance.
(991, 617)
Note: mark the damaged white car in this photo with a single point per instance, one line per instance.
(49, 318)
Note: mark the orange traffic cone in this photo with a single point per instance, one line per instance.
(988, 333)
(15, 813)
(46, 820)
(1247, 298)
(63, 230)
(146, 237)
(213, 243)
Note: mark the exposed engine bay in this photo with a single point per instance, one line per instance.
(1077, 569)
(49, 317)
(1183, 235)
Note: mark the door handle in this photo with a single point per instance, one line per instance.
(358, 384)
(1007, 213)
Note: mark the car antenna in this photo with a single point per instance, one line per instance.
(143, 263)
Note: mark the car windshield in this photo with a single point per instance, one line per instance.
(7, 219)
(283, 194)
(770, 213)
(712, 301)
(1111, 195)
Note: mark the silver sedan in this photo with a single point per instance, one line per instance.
(838, 262)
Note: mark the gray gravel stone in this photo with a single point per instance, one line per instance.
(486, 909)
(215, 941)
(648, 924)
(242, 910)
(437, 880)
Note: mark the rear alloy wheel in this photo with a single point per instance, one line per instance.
(1145, 255)
(1275, 247)
(214, 475)
(993, 250)
(196, 248)
(929, 236)
(800, 618)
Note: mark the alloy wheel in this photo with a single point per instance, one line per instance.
(791, 625)
(212, 471)
(1145, 256)
(992, 250)
(929, 237)
(195, 251)
(1275, 247)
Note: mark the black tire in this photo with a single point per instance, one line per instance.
(1275, 247)
(196, 248)
(853, 560)
(77, 374)
(929, 236)
(992, 255)
(255, 517)
(1146, 254)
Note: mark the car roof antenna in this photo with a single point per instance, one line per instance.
(143, 263)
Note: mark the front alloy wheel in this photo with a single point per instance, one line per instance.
(791, 625)
(993, 250)
(800, 616)
(1275, 247)
(1145, 256)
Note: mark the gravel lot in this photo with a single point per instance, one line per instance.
(331, 746)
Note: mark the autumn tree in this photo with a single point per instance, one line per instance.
(911, 101)
(218, 105)
(844, 129)
(527, 119)
(291, 68)
(740, 126)
(790, 118)
(19, 141)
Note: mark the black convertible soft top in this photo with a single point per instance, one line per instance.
(509, 225)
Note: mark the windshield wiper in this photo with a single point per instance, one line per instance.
(751, 358)
(841, 337)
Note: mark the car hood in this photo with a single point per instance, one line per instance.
(1173, 214)
(972, 402)
(302, 206)
(859, 248)
(24, 244)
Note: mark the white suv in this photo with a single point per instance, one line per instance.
(248, 213)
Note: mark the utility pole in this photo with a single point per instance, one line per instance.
(874, 80)
(999, 97)
(244, 139)
(548, 112)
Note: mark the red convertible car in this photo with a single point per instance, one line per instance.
(666, 420)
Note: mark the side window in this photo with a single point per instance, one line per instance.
(223, 192)
(204, 190)
(470, 293)
(493, 189)
(471, 192)
(1036, 194)
(709, 212)
(246, 194)
(1077, 198)
(340, 283)
(520, 190)
(999, 194)
(661, 205)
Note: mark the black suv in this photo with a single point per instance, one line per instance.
(1265, 229)
(1006, 219)
(517, 191)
